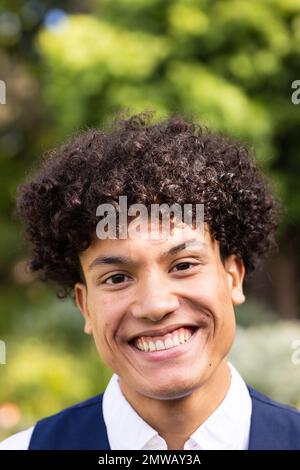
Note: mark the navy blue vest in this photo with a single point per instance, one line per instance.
(81, 427)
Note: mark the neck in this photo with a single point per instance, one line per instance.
(176, 420)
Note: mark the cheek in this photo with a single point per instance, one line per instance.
(222, 287)
(212, 293)
(107, 316)
(224, 307)
(226, 316)
(210, 289)
(103, 333)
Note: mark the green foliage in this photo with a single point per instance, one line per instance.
(229, 63)
(41, 378)
(86, 57)
(255, 313)
(50, 363)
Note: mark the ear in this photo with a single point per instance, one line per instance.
(235, 269)
(81, 301)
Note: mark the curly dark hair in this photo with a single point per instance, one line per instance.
(174, 160)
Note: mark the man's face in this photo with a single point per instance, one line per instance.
(161, 312)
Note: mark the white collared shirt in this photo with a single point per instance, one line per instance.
(228, 427)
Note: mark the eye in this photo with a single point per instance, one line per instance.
(116, 279)
(183, 266)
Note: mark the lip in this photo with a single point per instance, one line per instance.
(162, 331)
(167, 354)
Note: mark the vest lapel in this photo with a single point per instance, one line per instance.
(265, 431)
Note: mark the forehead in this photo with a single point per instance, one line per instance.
(140, 247)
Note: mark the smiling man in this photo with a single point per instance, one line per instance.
(160, 309)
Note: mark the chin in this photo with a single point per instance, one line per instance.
(172, 389)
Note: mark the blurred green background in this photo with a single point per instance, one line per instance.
(70, 65)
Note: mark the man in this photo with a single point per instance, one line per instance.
(160, 308)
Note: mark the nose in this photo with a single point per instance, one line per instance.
(154, 299)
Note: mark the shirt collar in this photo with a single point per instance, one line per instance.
(126, 430)
(226, 428)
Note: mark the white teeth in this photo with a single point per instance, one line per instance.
(168, 343)
(159, 345)
(181, 338)
(178, 337)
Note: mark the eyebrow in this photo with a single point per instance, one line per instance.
(107, 260)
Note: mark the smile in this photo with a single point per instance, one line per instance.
(168, 341)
